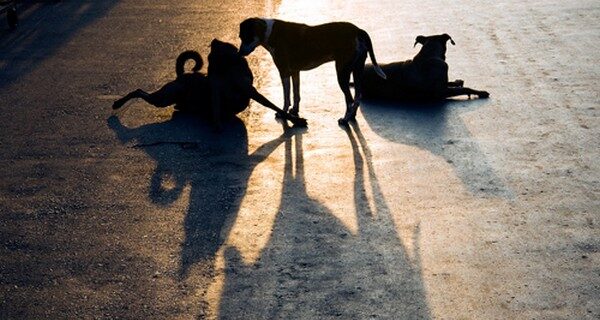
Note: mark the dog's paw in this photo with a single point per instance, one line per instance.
(343, 122)
(299, 122)
(483, 94)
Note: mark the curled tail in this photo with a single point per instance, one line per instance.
(367, 41)
(184, 57)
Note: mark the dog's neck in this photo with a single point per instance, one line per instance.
(265, 42)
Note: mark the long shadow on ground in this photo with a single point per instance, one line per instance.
(438, 128)
(314, 267)
(215, 166)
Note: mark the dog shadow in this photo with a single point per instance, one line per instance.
(214, 166)
(314, 267)
(438, 128)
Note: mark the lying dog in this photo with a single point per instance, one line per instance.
(296, 47)
(188, 92)
(425, 77)
(225, 92)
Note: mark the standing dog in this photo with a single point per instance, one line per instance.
(296, 47)
(425, 77)
(225, 92)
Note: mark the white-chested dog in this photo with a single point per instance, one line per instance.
(296, 47)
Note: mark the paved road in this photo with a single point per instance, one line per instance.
(474, 209)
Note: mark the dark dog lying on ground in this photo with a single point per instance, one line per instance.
(424, 78)
(225, 92)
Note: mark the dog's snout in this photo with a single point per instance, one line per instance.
(246, 49)
(243, 51)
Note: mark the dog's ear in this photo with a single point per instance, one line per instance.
(447, 36)
(419, 39)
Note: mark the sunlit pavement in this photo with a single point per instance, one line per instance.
(474, 209)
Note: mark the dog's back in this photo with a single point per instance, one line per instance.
(306, 47)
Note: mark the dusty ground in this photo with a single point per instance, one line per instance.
(481, 209)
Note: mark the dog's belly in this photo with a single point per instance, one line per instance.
(310, 62)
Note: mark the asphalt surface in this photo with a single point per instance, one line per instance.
(467, 209)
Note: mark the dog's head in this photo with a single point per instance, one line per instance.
(434, 46)
(222, 54)
(220, 47)
(252, 34)
(224, 57)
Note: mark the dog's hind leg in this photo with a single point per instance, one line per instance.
(357, 75)
(163, 97)
(459, 91)
(343, 77)
(139, 93)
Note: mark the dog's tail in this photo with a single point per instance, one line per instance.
(367, 41)
(184, 57)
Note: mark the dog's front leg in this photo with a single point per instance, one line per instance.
(296, 87)
(458, 91)
(285, 81)
(256, 96)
